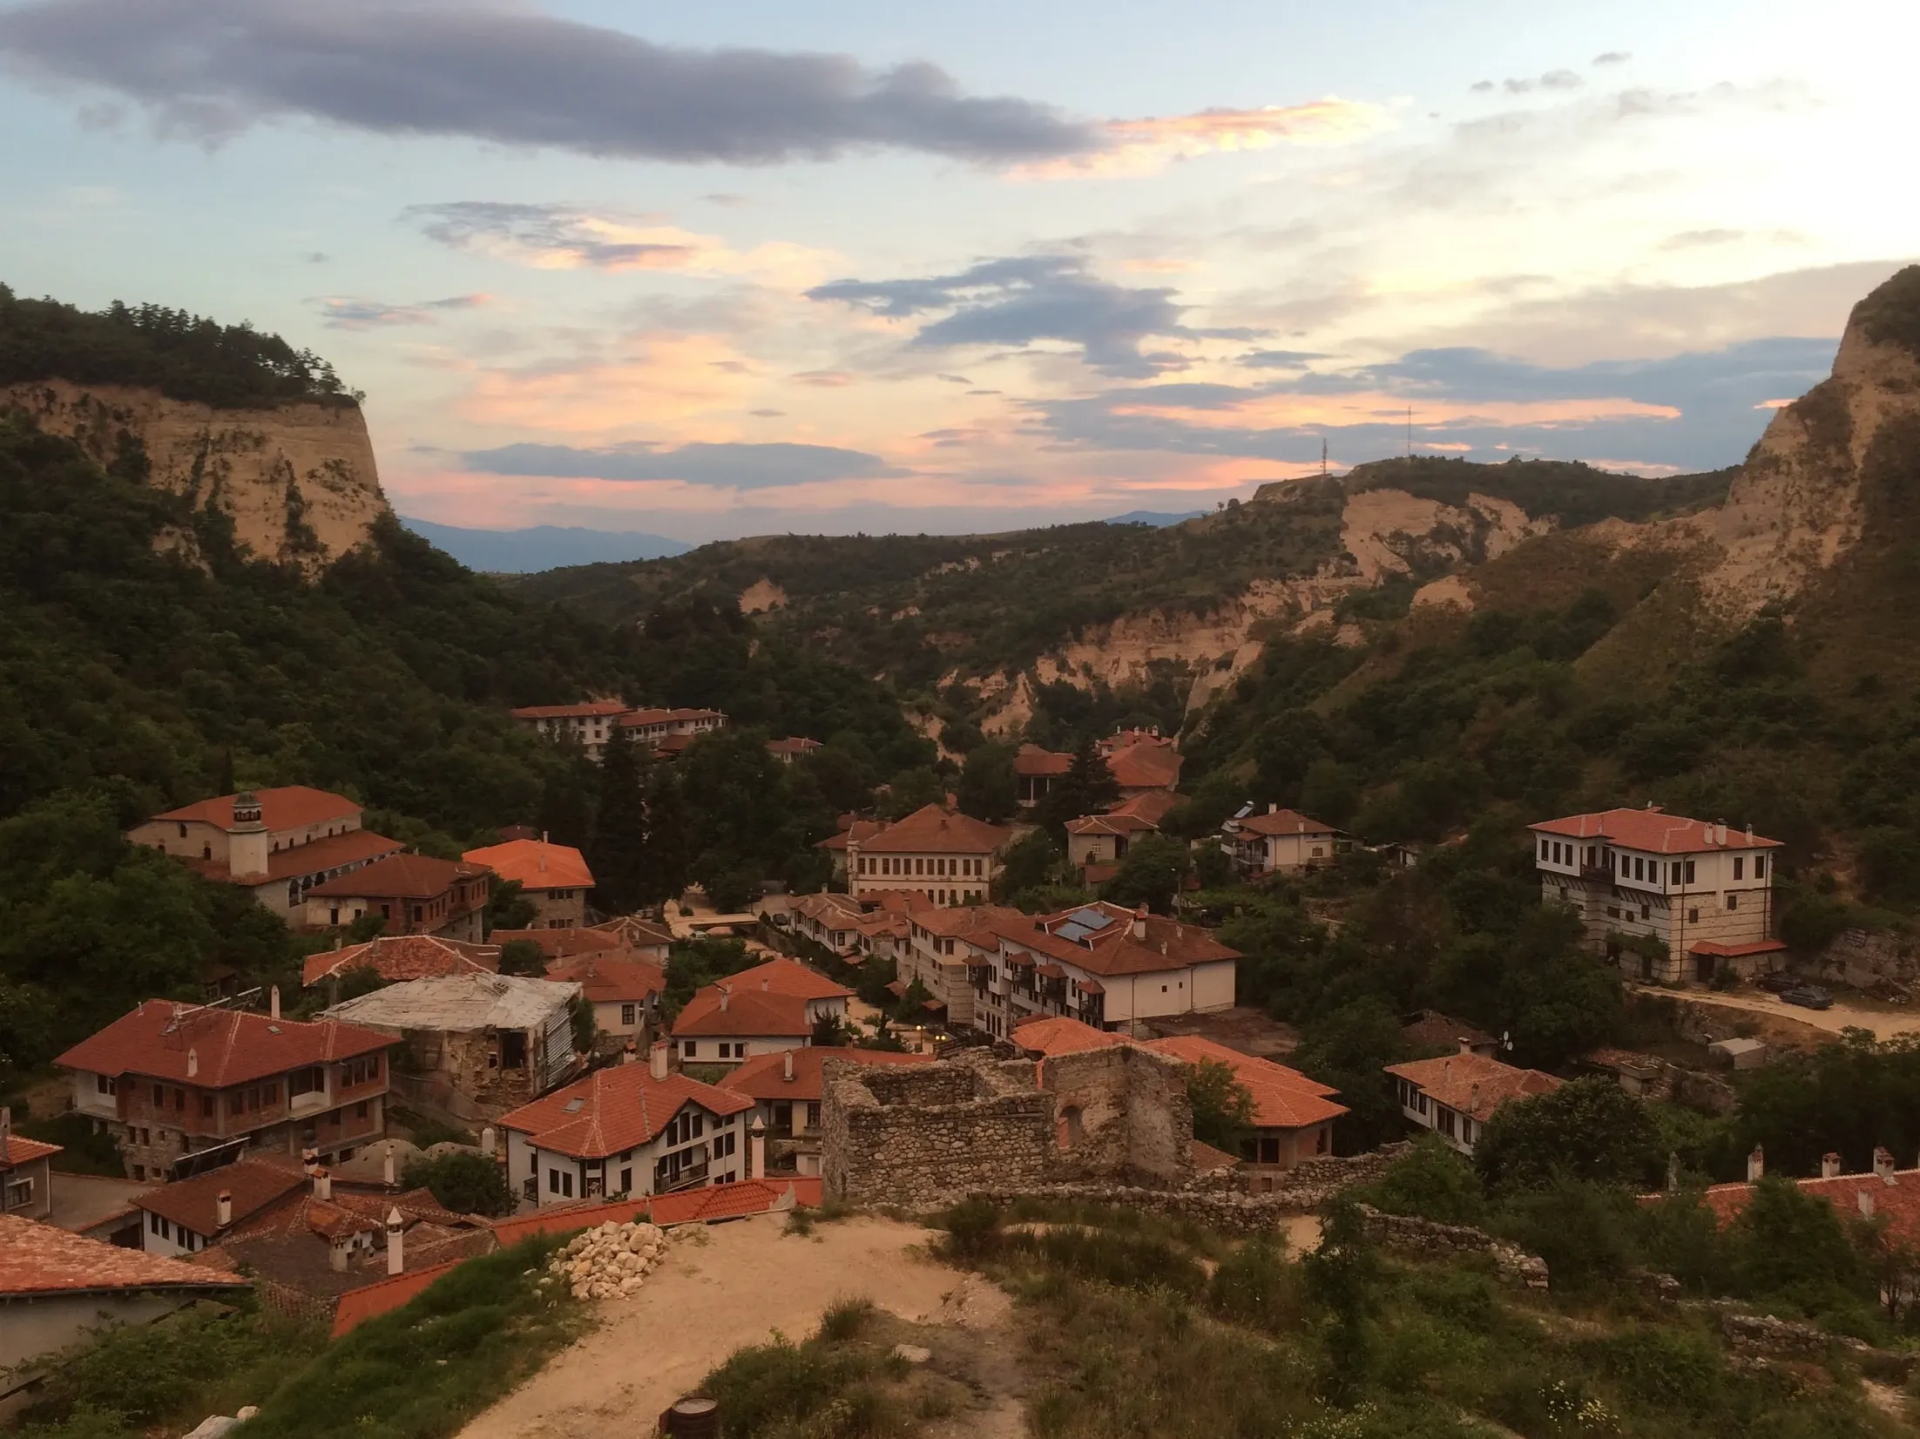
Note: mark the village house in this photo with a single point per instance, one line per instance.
(399, 957)
(1293, 1115)
(412, 893)
(1429, 1032)
(26, 1172)
(1103, 839)
(185, 1087)
(1142, 763)
(625, 995)
(276, 843)
(659, 729)
(1035, 771)
(1455, 1095)
(945, 948)
(1280, 841)
(1701, 892)
(949, 857)
(57, 1289)
(554, 877)
(1103, 964)
(475, 1045)
(852, 831)
(186, 1216)
(785, 1090)
(772, 1007)
(629, 1129)
(789, 750)
(874, 926)
(587, 725)
(639, 939)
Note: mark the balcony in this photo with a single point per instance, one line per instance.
(312, 1102)
(691, 1177)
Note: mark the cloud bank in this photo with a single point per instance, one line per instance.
(726, 466)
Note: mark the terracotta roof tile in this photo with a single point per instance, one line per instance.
(16, 1150)
(38, 1258)
(195, 1202)
(1283, 1098)
(1898, 1202)
(859, 832)
(1285, 821)
(1651, 830)
(934, 830)
(1149, 764)
(615, 1109)
(398, 957)
(1049, 1038)
(1032, 761)
(1207, 1159)
(635, 932)
(612, 981)
(752, 1012)
(330, 851)
(230, 1046)
(401, 876)
(589, 710)
(788, 977)
(289, 807)
(564, 942)
(1472, 1084)
(535, 864)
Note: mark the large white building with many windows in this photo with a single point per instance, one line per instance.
(1703, 891)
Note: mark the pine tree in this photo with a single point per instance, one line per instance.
(617, 853)
(664, 856)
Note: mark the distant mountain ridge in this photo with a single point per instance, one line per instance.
(542, 547)
(1159, 519)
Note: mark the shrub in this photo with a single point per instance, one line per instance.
(464, 1182)
(1430, 1182)
(973, 1230)
(1256, 1286)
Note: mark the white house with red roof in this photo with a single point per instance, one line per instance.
(764, 1010)
(1456, 1094)
(625, 993)
(586, 724)
(1704, 891)
(278, 843)
(26, 1172)
(181, 1086)
(1281, 841)
(554, 877)
(411, 893)
(629, 1129)
(949, 857)
(1103, 839)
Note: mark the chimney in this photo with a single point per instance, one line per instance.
(273, 1002)
(396, 1258)
(337, 1256)
(630, 1053)
(766, 981)
(1756, 1165)
(387, 1175)
(786, 1065)
(487, 1140)
(193, 1063)
(322, 1184)
(1749, 834)
(725, 995)
(1466, 1045)
(223, 1209)
(1272, 808)
(310, 1160)
(1865, 1200)
(1829, 1166)
(1719, 831)
(657, 1059)
(1138, 929)
(1883, 1163)
(757, 1149)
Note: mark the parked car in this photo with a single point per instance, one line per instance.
(1779, 982)
(1808, 996)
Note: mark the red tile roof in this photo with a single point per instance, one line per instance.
(859, 832)
(587, 710)
(400, 876)
(689, 1206)
(792, 746)
(749, 1013)
(535, 864)
(40, 1259)
(615, 1109)
(230, 1046)
(330, 851)
(1898, 1202)
(1033, 761)
(384, 1296)
(788, 977)
(1739, 951)
(1207, 1159)
(1153, 806)
(612, 981)
(1166, 944)
(764, 1076)
(634, 932)
(1652, 830)
(1150, 764)
(1285, 821)
(1472, 1084)
(289, 807)
(195, 1202)
(1050, 1038)
(932, 829)
(1283, 1098)
(563, 942)
(397, 957)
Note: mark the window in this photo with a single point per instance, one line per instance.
(1639, 867)
(626, 1014)
(1693, 916)
(1646, 911)
(103, 1084)
(1690, 871)
(1739, 868)
(206, 1106)
(1759, 866)
(362, 1110)
(311, 1080)
(1543, 849)
(687, 1048)
(159, 1096)
(1733, 901)
(1676, 873)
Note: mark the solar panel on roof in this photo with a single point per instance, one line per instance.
(1072, 931)
(1092, 920)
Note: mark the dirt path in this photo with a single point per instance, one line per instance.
(1885, 1023)
(746, 1280)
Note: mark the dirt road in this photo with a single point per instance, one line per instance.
(1885, 1023)
(747, 1280)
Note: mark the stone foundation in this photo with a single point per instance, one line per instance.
(1427, 1239)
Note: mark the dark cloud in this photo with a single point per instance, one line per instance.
(559, 231)
(316, 257)
(1482, 87)
(501, 72)
(1021, 299)
(724, 466)
(1280, 359)
(344, 312)
(1613, 57)
(1552, 80)
(1719, 394)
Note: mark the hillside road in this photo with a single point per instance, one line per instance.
(1883, 1023)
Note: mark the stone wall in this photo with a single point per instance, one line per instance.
(1426, 1238)
(1887, 963)
(1120, 1112)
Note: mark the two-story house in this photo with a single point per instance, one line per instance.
(26, 1172)
(949, 857)
(179, 1085)
(1036, 771)
(1280, 841)
(785, 1090)
(625, 994)
(587, 724)
(186, 1216)
(412, 893)
(1103, 839)
(555, 877)
(276, 843)
(670, 729)
(946, 948)
(1703, 892)
(772, 1007)
(629, 1129)
(1455, 1095)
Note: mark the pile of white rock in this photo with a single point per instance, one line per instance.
(608, 1262)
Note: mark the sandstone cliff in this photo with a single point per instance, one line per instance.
(299, 481)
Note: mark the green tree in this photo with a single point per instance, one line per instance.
(664, 855)
(1792, 1245)
(465, 1182)
(586, 1027)
(1347, 1048)
(1152, 872)
(1212, 864)
(1088, 787)
(988, 788)
(523, 957)
(910, 790)
(1430, 1181)
(1342, 1277)
(1030, 862)
(508, 907)
(1330, 792)
(1223, 1110)
(619, 828)
(1591, 1130)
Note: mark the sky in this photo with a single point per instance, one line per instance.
(705, 271)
